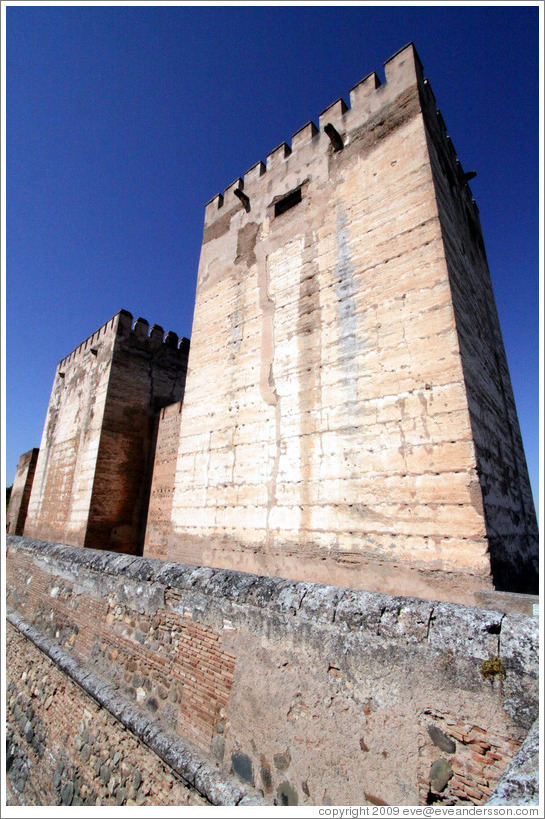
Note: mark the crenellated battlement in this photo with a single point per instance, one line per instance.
(89, 345)
(403, 70)
(140, 329)
(123, 324)
(337, 125)
(457, 176)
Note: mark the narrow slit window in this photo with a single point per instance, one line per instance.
(288, 202)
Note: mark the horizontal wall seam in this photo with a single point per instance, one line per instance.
(185, 761)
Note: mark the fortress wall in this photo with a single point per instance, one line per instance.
(338, 444)
(60, 500)
(92, 477)
(20, 493)
(162, 484)
(312, 694)
(510, 517)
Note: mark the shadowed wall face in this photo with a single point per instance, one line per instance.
(328, 430)
(20, 493)
(511, 524)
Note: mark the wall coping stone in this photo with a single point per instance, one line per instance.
(461, 629)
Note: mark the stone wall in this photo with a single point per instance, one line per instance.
(64, 749)
(326, 432)
(20, 494)
(162, 483)
(310, 694)
(93, 474)
(61, 494)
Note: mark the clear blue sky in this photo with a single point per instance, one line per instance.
(122, 122)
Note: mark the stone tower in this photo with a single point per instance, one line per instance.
(348, 416)
(91, 485)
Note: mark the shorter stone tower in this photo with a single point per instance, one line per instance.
(91, 486)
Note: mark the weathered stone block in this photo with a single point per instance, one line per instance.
(440, 773)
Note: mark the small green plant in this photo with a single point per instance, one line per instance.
(493, 668)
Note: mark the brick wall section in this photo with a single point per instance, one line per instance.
(175, 667)
(20, 494)
(345, 682)
(476, 759)
(338, 446)
(92, 478)
(64, 749)
(162, 485)
(519, 784)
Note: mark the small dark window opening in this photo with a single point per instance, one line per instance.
(288, 202)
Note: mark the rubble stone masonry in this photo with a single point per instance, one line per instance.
(310, 694)
(64, 749)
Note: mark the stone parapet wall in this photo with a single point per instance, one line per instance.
(311, 694)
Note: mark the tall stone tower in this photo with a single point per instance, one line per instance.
(348, 415)
(91, 485)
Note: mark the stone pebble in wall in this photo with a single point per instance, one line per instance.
(242, 766)
(460, 762)
(26, 732)
(440, 773)
(115, 779)
(441, 740)
(286, 794)
(169, 664)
